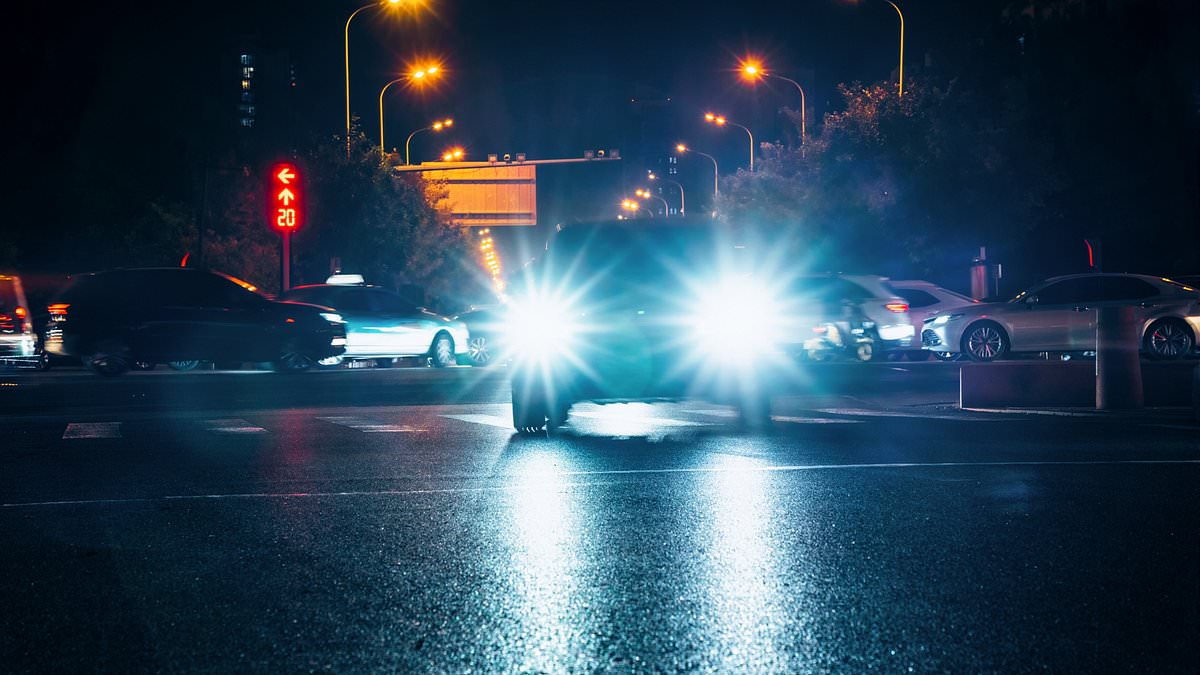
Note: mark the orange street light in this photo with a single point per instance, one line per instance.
(753, 71)
(720, 121)
(452, 154)
(646, 194)
(425, 74)
(682, 200)
(436, 126)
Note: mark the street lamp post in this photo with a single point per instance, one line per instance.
(901, 14)
(681, 148)
(721, 121)
(753, 71)
(346, 44)
(382, 151)
(646, 194)
(436, 126)
(682, 200)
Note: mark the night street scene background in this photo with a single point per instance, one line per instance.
(831, 336)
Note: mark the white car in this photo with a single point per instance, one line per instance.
(855, 304)
(926, 300)
(1058, 316)
(382, 325)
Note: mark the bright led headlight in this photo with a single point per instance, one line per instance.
(332, 317)
(736, 317)
(540, 325)
(943, 319)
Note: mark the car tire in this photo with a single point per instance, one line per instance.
(529, 406)
(331, 363)
(947, 356)
(143, 365)
(110, 358)
(291, 359)
(985, 341)
(479, 351)
(1168, 340)
(183, 366)
(441, 352)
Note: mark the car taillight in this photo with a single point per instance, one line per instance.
(58, 312)
(20, 313)
(897, 307)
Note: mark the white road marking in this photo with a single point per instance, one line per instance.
(232, 426)
(868, 412)
(649, 420)
(92, 430)
(489, 420)
(813, 420)
(367, 426)
(714, 412)
(538, 484)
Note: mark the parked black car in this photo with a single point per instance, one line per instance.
(114, 319)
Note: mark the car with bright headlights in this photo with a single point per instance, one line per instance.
(1058, 315)
(380, 324)
(641, 310)
(115, 319)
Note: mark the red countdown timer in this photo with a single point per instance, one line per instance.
(285, 191)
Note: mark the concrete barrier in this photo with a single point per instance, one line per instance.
(1071, 384)
(1196, 392)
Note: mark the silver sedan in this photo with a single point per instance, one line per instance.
(1057, 316)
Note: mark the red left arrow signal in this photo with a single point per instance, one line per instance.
(285, 175)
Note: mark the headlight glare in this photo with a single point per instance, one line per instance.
(332, 317)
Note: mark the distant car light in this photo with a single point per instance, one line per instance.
(541, 326)
(943, 319)
(897, 307)
(332, 317)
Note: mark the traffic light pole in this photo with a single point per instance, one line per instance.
(287, 261)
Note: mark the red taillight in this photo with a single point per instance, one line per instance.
(58, 311)
(21, 313)
(897, 307)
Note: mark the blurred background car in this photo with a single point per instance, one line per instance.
(866, 313)
(113, 320)
(1057, 316)
(485, 326)
(382, 325)
(926, 300)
(18, 342)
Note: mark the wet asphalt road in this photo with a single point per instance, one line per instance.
(391, 521)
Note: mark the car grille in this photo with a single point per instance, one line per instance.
(929, 338)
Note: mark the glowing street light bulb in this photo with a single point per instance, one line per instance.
(710, 117)
(681, 148)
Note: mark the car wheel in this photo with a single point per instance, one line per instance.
(1168, 339)
(111, 358)
(183, 366)
(985, 341)
(143, 365)
(529, 407)
(441, 352)
(479, 350)
(946, 356)
(292, 360)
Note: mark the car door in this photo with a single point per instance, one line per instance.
(410, 331)
(1118, 291)
(367, 333)
(1055, 317)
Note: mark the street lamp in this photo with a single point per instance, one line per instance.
(646, 194)
(452, 154)
(634, 207)
(720, 121)
(436, 126)
(752, 71)
(378, 3)
(682, 201)
(901, 15)
(681, 149)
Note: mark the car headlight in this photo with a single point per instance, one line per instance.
(540, 326)
(332, 317)
(736, 316)
(943, 319)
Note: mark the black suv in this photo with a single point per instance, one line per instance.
(114, 319)
(640, 310)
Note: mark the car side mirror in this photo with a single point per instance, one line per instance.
(1031, 301)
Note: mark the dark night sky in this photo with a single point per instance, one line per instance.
(105, 97)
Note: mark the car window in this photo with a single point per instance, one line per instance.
(314, 295)
(1080, 289)
(8, 295)
(1124, 288)
(354, 299)
(848, 290)
(916, 298)
(390, 303)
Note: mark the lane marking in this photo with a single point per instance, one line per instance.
(367, 426)
(540, 484)
(813, 420)
(232, 426)
(1174, 426)
(92, 430)
(488, 420)
(865, 412)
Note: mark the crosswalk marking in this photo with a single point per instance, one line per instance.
(368, 426)
(233, 426)
(488, 420)
(92, 430)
